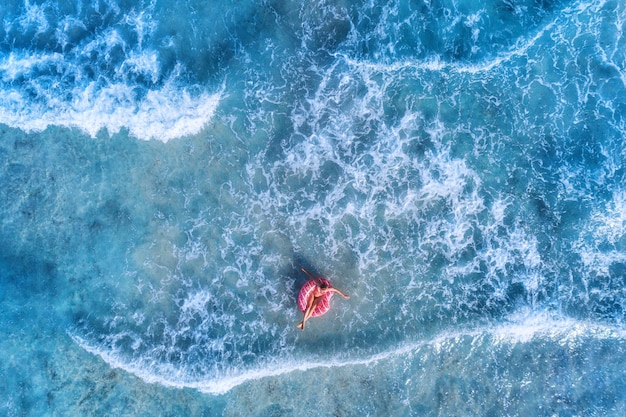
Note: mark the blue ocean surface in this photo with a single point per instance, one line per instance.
(456, 166)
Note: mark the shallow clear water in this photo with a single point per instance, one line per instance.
(456, 167)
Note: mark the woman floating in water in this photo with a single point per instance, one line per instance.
(314, 297)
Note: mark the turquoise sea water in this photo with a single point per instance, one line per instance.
(456, 167)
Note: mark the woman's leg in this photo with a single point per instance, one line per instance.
(312, 304)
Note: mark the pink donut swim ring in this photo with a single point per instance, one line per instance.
(323, 306)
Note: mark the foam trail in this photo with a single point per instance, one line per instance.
(160, 116)
(114, 73)
(163, 113)
(519, 49)
(522, 328)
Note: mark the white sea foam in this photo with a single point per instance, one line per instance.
(518, 49)
(522, 328)
(108, 80)
(162, 113)
(611, 225)
(599, 243)
(35, 16)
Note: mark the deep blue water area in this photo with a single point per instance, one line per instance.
(456, 167)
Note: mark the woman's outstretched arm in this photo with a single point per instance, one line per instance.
(308, 273)
(338, 292)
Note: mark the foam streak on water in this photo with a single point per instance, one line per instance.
(524, 329)
(99, 73)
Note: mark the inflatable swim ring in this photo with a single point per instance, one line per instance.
(323, 306)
